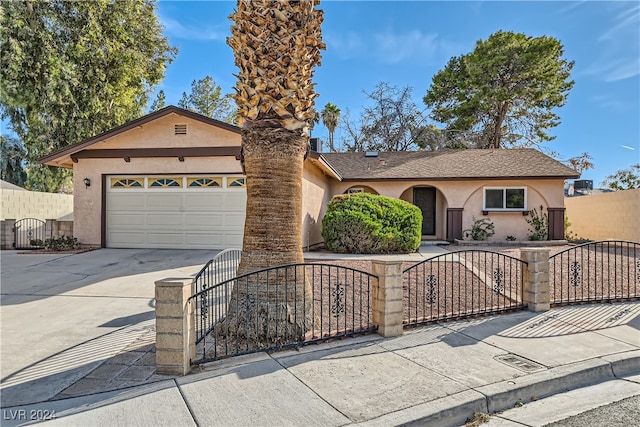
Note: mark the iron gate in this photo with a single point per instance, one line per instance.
(604, 271)
(29, 233)
(461, 284)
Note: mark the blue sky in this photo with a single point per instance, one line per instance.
(406, 43)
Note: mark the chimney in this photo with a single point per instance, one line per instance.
(315, 144)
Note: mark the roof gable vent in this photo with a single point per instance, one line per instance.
(371, 154)
(180, 129)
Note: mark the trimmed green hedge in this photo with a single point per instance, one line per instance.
(365, 223)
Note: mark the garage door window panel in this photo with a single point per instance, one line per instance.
(127, 182)
(205, 182)
(165, 182)
(236, 182)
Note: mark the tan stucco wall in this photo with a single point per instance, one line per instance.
(468, 195)
(160, 133)
(315, 196)
(19, 204)
(539, 193)
(605, 216)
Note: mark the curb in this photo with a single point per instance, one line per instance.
(456, 409)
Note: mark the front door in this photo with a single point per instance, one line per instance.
(425, 199)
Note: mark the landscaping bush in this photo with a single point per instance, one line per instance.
(539, 225)
(64, 243)
(364, 223)
(481, 229)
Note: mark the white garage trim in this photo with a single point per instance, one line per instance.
(175, 211)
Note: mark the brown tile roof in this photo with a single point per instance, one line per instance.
(449, 164)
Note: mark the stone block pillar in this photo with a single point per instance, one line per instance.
(8, 233)
(537, 295)
(175, 326)
(50, 229)
(387, 297)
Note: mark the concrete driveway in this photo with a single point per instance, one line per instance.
(62, 315)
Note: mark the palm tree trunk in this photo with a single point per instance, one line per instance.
(268, 309)
(273, 228)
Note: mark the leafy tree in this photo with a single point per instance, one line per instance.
(504, 91)
(580, 163)
(159, 103)
(330, 118)
(313, 121)
(71, 70)
(207, 99)
(624, 179)
(12, 154)
(392, 123)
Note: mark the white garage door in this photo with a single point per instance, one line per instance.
(190, 212)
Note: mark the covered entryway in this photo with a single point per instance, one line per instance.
(181, 212)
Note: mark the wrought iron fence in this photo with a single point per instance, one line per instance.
(221, 268)
(604, 271)
(258, 311)
(29, 233)
(462, 284)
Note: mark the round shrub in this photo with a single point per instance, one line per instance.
(364, 223)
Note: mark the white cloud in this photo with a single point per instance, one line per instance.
(572, 5)
(388, 46)
(393, 47)
(346, 46)
(626, 20)
(623, 69)
(620, 45)
(609, 103)
(628, 148)
(179, 30)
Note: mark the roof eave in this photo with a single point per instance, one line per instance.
(171, 109)
(321, 162)
(460, 178)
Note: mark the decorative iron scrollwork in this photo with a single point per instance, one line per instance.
(575, 269)
(338, 304)
(204, 306)
(432, 281)
(498, 280)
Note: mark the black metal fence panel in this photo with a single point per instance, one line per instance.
(221, 268)
(460, 284)
(604, 271)
(339, 305)
(29, 233)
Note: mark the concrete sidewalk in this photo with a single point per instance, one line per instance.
(435, 375)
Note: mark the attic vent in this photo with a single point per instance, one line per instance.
(180, 129)
(371, 154)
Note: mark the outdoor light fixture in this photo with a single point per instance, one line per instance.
(87, 183)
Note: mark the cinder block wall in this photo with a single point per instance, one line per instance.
(604, 216)
(6, 234)
(19, 204)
